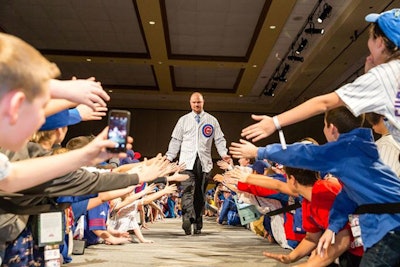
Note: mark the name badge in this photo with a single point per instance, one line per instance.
(355, 230)
(50, 228)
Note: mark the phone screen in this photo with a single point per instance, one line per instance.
(118, 131)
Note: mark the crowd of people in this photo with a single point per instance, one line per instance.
(337, 203)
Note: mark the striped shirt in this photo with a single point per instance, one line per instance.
(389, 151)
(377, 91)
(192, 139)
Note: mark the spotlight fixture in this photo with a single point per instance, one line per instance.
(270, 91)
(313, 30)
(325, 13)
(282, 76)
(302, 44)
(295, 58)
(285, 70)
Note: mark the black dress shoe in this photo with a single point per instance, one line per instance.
(197, 232)
(187, 227)
(197, 229)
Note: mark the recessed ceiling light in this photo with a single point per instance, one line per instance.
(110, 91)
(254, 66)
(88, 59)
(272, 27)
(240, 95)
(151, 22)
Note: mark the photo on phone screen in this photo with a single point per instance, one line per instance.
(118, 129)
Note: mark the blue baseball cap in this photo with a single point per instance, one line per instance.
(259, 166)
(61, 119)
(389, 22)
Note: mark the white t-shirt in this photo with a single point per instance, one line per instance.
(377, 91)
(5, 166)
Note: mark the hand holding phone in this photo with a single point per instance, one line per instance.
(118, 129)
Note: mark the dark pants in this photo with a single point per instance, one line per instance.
(384, 253)
(193, 196)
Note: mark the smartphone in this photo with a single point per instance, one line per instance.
(118, 129)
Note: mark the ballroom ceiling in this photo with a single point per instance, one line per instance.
(152, 53)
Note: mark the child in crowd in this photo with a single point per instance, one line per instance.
(375, 91)
(272, 194)
(352, 156)
(388, 148)
(228, 213)
(125, 209)
(318, 197)
(25, 90)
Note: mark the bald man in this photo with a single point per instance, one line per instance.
(193, 136)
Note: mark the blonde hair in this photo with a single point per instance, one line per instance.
(60, 150)
(42, 136)
(22, 67)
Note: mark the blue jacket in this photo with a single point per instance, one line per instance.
(354, 159)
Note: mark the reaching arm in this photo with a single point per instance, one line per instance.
(168, 189)
(305, 247)
(262, 181)
(111, 239)
(88, 92)
(56, 105)
(131, 198)
(28, 173)
(109, 195)
(265, 125)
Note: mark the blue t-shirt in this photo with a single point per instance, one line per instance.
(96, 219)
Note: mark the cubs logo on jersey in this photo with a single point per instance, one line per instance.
(207, 130)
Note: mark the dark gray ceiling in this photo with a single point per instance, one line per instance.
(225, 49)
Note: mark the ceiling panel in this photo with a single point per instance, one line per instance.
(210, 28)
(110, 26)
(226, 49)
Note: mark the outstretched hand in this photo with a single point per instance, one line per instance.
(223, 165)
(279, 257)
(218, 178)
(257, 131)
(89, 114)
(244, 149)
(177, 177)
(324, 242)
(238, 174)
(152, 169)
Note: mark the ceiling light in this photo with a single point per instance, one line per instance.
(285, 70)
(295, 58)
(272, 27)
(313, 30)
(302, 44)
(282, 76)
(270, 91)
(325, 13)
(152, 22)
(88, 59)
